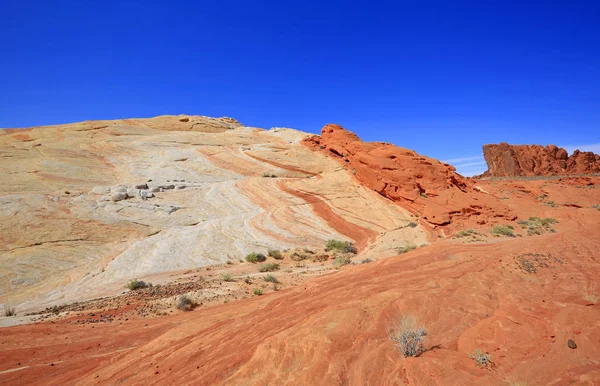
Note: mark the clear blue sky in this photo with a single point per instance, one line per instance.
(440, 77)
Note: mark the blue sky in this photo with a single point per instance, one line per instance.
(442, 78)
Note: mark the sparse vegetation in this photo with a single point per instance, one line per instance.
(408, 337)
(247, 280)
(406, 248)
(185, 303)
(502, 230)
(481, 358)
(137, 284)
(550, 203)
(269, 267)
(589, 293)
(9, 310)
(255, 257)
(274, 253)
(537, 226)
(366, 261)
(597, 206)
(340, 246)
(423, 194)
(412, 224)
(227, 277)
(269, 175)
(257, 291)
(341, 261)
(270, 279)
(229, 262)
(466, 233)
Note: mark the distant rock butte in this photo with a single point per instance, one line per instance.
(506, 160)
(423, 185)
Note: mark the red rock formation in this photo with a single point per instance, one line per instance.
(421, 184)
(534, 160)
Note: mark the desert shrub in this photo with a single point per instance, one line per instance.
(136, 284)
(320, 258)
(537, 226)
(412, 224)
(229, 262)
(185, 303)
(275, 254)
(257, 291)
(407, 248)
(269, 267)
(367, 260)
(298, 256)
(340, 261)
(309, 251)
(247, 280)
(408, 337)
(597, 206)
(255, 257)
(502, 230)
(465, 233)
(227, 277)
(269, 175)
(9, 310)
(550, 203)
(341, 246)
(481, 358)
(270, 279)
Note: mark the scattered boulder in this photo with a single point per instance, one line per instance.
(168, 187)
(155, 189)
(179, 187)
(572, 345)
(141, 186)
(118, 196)
(101, 190)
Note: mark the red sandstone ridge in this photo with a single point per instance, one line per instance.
(420, 184)
(534, 160)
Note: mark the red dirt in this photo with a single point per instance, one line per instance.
(535, 160)
(519, 299)
(421, 184)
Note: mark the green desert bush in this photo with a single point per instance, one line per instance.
(257, 291)
(465, 233)
(255, 257)
(340, 261)
(136, 284)
(275, 254)
(407, 248)
(185, 303)
(269, 267)
(538, 226)
(408, 337)
(340, 246)
(227, 277)
(502, 230)
(271, 279)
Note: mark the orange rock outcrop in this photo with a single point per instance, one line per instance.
(505, 160)
(421, 184)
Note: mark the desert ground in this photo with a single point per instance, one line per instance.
(501, 274)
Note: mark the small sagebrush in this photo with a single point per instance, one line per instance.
(466, 233)
(227, 277)
(340, 246)
(137, 284)
(407, 248)
(9, 311)
(502, 230)
(340, 261)
(185, 303)
(255, 257)
(257, 291)
(271, 279)
(408, 337)
(269, 267)
(275, 254)
(482, 359)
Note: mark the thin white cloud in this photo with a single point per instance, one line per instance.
(594, 147)
(471, 171)
(471, 164)
(454, 161)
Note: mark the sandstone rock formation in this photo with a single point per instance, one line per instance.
(85, 207)
(506, 160)
(424, 185)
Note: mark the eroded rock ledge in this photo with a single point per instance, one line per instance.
(421, 184)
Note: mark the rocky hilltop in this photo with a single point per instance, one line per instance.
(505, 160)
(424, 185)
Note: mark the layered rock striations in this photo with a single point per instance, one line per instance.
(506, 160)
(424, 185)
